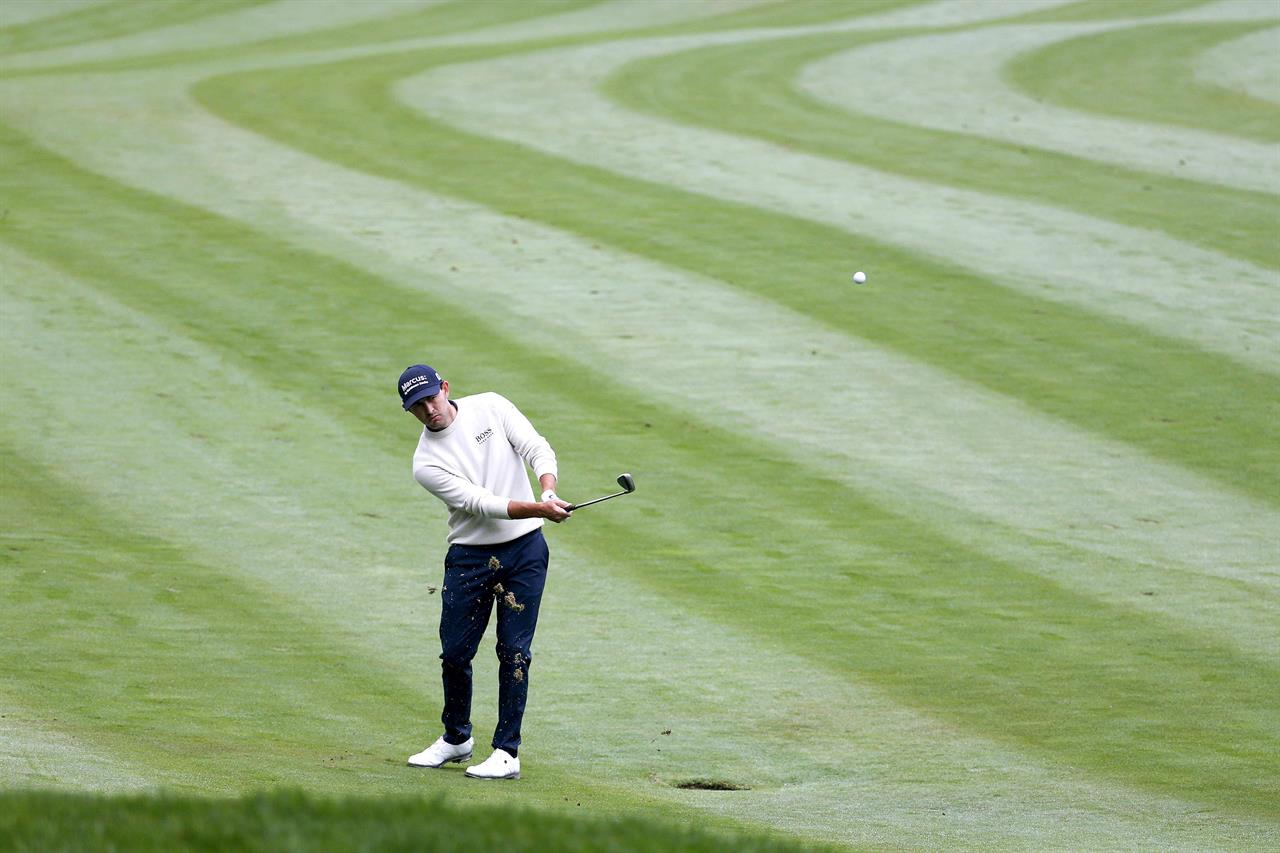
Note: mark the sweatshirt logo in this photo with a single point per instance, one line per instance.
(484, 436)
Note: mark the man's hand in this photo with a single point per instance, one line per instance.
(554, 509)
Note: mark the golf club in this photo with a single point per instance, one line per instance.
(628, 486)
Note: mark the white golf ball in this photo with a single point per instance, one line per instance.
(859, 277)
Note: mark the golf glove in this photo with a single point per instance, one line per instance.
(549, 495)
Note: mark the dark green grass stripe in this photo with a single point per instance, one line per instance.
(785, 13)
(294, 821)
(1147, 74)
(988, 645)
(1193, 408)
(748, 89)
(110, 20)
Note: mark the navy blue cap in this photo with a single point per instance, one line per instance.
(417, 382)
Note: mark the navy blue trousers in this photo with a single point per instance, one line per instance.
(476, 578)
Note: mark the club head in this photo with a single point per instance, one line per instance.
(628, 484)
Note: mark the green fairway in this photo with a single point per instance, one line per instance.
(982, 554)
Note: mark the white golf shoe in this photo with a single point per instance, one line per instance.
(500, 765)
(442, 752)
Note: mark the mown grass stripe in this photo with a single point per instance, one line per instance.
(963, 89)
(1097, 497)
(28, 11)
(1108, 667)
(546, 101)
(693, 87)
(1156, 67)
(1107, 10)
(33, 755)
(1180, 404)
(109, 20)
(1243, 66)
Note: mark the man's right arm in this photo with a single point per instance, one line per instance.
(460, 493)
(552, 509)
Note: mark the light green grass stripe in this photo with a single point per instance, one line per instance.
(749, 90)
(958, 85)
(17, 12)
(33, 755)
(990, 623)
(110, 20)
(1245, 65)
(958, 434)
(1177, 418)
(1106, 10)
(1150, 76)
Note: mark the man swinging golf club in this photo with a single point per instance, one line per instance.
(472, 455)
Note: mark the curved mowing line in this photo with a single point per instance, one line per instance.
(546, 101)
(953, 83)
(1245, 66)
(748, 90)
(1182, 405)
(110, 20)
(1148, 74)
(958, 435)
(980, 642)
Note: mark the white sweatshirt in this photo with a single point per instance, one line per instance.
(476, 465)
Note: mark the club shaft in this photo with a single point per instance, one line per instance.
(597, 500)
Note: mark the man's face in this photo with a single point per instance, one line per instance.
(435, 412)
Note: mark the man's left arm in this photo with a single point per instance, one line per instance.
(534, 449)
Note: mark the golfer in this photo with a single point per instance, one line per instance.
(472, 456)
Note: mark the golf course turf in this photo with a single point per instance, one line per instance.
(980, 554)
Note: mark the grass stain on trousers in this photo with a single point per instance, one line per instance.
(473, 574)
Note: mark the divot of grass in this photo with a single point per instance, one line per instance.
(710, 785)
